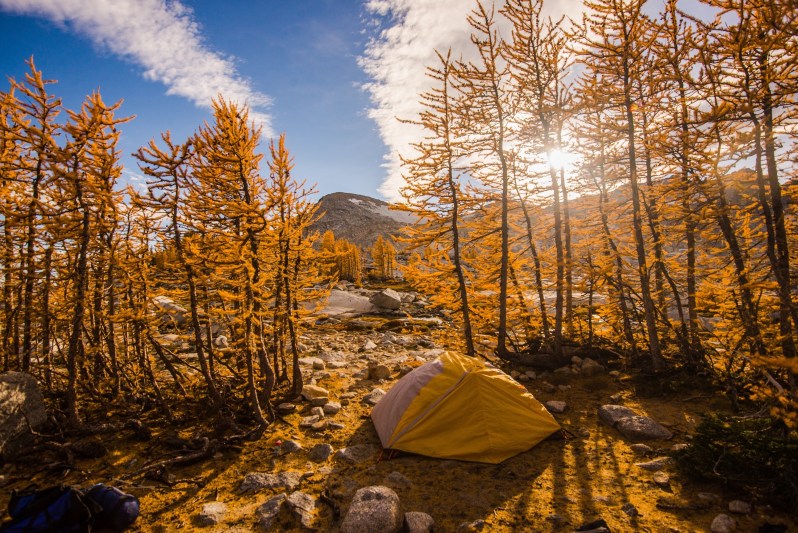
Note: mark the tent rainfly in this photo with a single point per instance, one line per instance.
(458, 407)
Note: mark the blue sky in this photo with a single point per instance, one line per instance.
(333, 75)
(301, 54)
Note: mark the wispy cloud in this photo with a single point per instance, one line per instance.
(396, 60)
(162, 37)
(409, 32)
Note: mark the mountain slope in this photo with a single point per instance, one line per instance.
(359, 219)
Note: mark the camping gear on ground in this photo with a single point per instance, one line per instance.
(60, 509)
(119, 510)
(459, 407)
(64, 509)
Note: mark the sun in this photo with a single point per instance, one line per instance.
(559, 159)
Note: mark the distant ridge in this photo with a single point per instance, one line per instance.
(359, 219)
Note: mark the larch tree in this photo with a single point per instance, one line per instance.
(90, 164)
(168, 170)
(538, 59)
(614, 36)
(36, 119)
(433, 190)
(755, 42)
(488, 108)
(291, 248)
(226, 202)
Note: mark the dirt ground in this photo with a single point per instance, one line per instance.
(558, 485)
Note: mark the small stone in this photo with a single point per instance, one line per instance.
(211, 514)
(468, 527)
(655, 464)
(397, 479)
(723, 523)
(591, 368)
(662, 480)
(556, 407)
(267, 512)
(302, 506)
(564, 388)
(308, 421)
(530, 374)
(290, 446)
(320, 425)
(318, 365)
(641, 449)
(523, 378)
(630, 509)
(285, 408)
(368, 346)
(576, 360)
(320, 453)
(378, 372)
(312, 391)
(335, 425)
(739, 507)
(256, 481)
(331, 408)
(319, 402)
(221, 342)
(616, 398)
(679, 447)
(514, 374)
(709, 497)
(374, 396)
(548, 387)
(358, 453)
(563, 371)
(416, 522)
(317, 411)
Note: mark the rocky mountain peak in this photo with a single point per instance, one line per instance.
(359, 219)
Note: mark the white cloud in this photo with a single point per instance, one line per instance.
(396, 60)
(162, 37)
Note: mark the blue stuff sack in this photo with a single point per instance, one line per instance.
(118, 509)
(59, 509)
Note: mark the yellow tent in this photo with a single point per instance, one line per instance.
(458, 407)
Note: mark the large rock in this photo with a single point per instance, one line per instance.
(610, 414)
(373, 510)
(21, 409)
(634, 427)
(170, 309)
(639, 428)
(387, 299)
